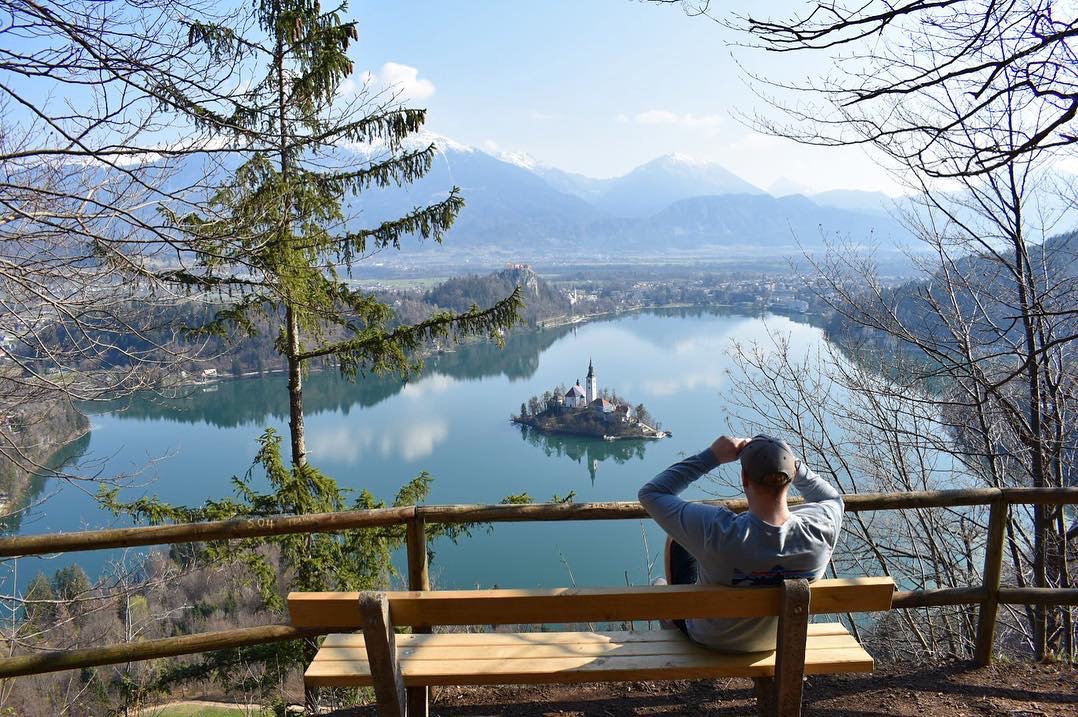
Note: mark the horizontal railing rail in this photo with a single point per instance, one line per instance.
(24, 545)
(989, 595)
(58, 660)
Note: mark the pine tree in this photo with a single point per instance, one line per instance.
(40, 605)
(350, 560)
(276, 237)
(275, 245)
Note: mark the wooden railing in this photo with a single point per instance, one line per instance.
(989, 595)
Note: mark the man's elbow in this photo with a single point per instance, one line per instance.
(646, 494)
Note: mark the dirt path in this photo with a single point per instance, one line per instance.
(950, 690)
(254, 710)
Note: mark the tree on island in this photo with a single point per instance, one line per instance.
(545, 413)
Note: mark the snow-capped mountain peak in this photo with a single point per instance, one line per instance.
(521, 159)
(443, 143)
(417, 140)
(683, 159)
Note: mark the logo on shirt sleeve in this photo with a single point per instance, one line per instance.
(774, 576)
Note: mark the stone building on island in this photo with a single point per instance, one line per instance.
(588, 396)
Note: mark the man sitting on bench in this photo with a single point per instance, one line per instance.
(770, 542)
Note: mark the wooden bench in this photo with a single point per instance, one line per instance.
(401, 666)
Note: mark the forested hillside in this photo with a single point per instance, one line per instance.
(541, 301)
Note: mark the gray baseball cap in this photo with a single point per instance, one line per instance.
(764, 457)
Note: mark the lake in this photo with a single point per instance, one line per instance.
(453, 421)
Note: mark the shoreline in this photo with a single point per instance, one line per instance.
(570, 319)
(545, 324)
(41, 454)
(654, 436)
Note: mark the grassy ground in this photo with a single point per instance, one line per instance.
(192, 709)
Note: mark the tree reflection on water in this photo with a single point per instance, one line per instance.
(580, 449)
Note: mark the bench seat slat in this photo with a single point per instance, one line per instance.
(615, 662)
(583, 669)
(433, 650)
(348, 639)
(570, 605)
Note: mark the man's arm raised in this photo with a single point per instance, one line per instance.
(691, 524)
(820, 497)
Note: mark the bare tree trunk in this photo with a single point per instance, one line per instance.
(1036, 437)
(295, 363)
(295, 392)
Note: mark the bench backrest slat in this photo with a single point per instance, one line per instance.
(567, 605)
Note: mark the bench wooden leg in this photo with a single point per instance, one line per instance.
(418, 702)
(381, 645)
(790, 650)
(765, 695)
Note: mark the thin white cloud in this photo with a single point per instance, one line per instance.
(540, 116)
(421, 438)
(403, 81)
(428, 386)
(408, 440)
(687, 120)
(709, 379)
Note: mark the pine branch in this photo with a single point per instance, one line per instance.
(379, 350)
(427, 222)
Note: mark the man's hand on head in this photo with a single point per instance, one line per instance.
(726, 449)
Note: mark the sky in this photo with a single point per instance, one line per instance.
(596, 87)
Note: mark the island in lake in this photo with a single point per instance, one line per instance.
(587, 411)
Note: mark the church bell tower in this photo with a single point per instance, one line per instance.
(592, 391)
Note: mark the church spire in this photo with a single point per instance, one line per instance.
(591, 386)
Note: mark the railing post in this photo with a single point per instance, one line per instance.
(418, 571)
(418, 579)
(993, 569)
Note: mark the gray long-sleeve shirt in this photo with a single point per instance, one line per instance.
(739, 549)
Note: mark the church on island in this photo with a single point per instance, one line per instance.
(586, 411)
(576, 397)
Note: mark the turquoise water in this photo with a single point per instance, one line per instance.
(453, 422)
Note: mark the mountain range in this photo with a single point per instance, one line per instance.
(516, 205)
